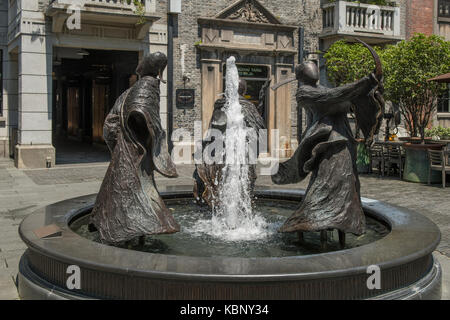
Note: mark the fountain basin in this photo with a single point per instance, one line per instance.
(404, 256)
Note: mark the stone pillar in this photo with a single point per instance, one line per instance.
(158, 42)
(211, 87)
(282, 112)
(34, 148)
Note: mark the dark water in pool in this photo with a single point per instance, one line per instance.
(192, 240)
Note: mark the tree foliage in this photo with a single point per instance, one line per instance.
(407, 67)
(347, 63)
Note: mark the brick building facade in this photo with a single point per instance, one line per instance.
(420, 15)
(76, 66)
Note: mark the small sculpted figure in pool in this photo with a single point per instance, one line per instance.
(128, 204)
(328, 151)
(208, 175)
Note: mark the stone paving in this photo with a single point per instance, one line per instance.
(23, 191)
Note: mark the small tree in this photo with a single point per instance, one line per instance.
(348, 62)
(408, 65)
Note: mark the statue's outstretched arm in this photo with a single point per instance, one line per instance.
(336, 95)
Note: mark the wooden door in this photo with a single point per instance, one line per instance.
(99, 110)
(73, 110)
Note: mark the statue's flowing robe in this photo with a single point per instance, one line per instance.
(208, 176)
(328, 151)
(128, 204)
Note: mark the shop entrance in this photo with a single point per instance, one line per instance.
(86, 85)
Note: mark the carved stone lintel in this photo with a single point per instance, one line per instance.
(248, 12)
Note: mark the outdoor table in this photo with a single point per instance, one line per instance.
(391, 143)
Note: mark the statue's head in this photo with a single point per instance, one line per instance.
(242, 87)
(307, 72)
(152, 65)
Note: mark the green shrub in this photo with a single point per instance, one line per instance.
(440, 132)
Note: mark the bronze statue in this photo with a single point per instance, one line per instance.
(328, 151)
(208, 176)
(128, 204)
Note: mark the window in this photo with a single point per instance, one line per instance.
(444, 101)
(444, 9)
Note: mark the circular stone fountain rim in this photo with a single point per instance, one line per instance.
(412, 236)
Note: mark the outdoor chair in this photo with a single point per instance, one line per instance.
(438, 163)
(394, 156)
(377, 158)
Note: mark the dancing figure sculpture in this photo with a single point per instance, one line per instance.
(328, 151)
(208, 175)
(128, 204)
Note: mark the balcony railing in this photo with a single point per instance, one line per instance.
(111, 4)
(122, 4)
(351, 17)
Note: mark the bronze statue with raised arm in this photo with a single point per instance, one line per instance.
(328, 151)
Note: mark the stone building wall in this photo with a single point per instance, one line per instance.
(306, 14)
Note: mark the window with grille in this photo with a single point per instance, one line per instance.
(444, 8)
(444, 101)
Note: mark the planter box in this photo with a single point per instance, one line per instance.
(417, 163)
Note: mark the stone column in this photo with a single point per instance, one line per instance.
(158, 42)
(211, 87)
(34, 148)
(283, 110)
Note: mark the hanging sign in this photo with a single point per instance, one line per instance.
(185, 98)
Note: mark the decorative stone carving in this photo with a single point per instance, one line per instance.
(249, 13)
(284, 41)
(211, 34)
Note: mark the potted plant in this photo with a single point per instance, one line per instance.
(438, 133)
(408, 66)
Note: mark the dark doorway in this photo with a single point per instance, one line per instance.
(87, 83)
